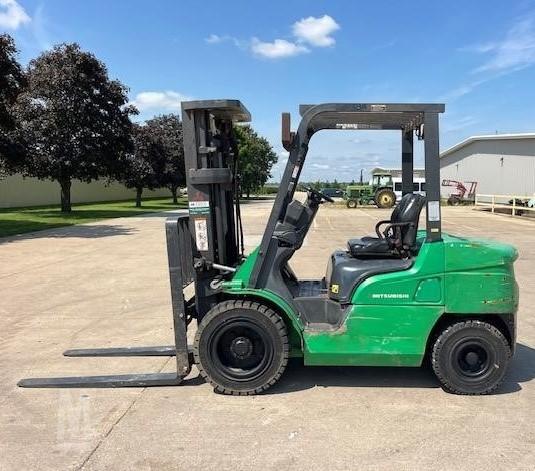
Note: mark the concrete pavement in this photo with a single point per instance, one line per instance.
(106, 284)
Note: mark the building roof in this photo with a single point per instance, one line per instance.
(396, 172)
(488, 137)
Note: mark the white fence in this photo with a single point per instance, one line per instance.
(507, 202)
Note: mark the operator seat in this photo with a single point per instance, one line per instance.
(293, 229)
(398, 240)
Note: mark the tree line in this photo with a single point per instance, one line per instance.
(63, 118)
(318, 184)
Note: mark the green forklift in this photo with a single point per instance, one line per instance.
(401, 298)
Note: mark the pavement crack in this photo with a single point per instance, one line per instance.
(108, 432)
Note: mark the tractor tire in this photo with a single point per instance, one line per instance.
(454, 200)
(351, 204)
(385, 198)
(241, 347)
(470, 358)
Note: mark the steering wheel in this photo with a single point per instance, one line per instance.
(319, 194)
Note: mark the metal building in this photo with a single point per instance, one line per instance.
(502, 164)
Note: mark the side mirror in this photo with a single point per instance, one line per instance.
(287, 134)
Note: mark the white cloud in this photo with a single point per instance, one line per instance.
(459, 124)
(215, 38)
(12, 15)
(321, 166)
(464, 89)
(166, 101)
(516, 51)
(309, 31)
(277, 49)
(316, 31)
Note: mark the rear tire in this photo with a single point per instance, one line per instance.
(385, 198)
(454, 201)
(351, 204)
(241, 347)
(470, 358)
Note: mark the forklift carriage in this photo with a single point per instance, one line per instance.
(390, 300)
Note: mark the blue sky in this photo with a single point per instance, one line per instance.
(475, 56)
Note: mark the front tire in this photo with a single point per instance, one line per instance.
(241, 347)
(470, 358)
(351, 203)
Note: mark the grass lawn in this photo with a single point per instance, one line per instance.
(20, 220)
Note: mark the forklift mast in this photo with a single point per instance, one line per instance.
(201, 244)
(210, 154)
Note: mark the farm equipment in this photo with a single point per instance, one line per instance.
(396, 299)
(358, 195)
(380, 192)
(382, 188)
(463, 195)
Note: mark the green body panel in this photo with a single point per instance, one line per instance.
(392, 315)
(424, 281)
(374, 336)
(480, 276)
(358, 191)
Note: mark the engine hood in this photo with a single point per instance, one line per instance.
(465, 253)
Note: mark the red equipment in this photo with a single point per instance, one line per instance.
(459, 197)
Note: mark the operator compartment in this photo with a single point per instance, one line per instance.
(392, 250)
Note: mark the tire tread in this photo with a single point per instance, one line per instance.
(251, 305)
(439, 343)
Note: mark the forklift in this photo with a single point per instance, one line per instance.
(401, 298)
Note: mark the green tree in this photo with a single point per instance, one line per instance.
(168, 130)
(145, 166)
(75, 119)
(12, 82)
(256, 158)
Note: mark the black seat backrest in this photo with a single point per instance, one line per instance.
(408, 211)
(295, 225)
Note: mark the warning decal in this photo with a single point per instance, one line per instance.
(199, 207)
(201, 234)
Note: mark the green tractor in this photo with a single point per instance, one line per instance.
(402, 298)
(380, 192)
(358, 195)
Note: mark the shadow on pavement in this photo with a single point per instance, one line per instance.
(78, 231)
(298, 377)
(521, 369)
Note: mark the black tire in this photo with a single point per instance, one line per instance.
(351, 204)
(454, 201)
(385, 198)
(470, 358)
(241, 347)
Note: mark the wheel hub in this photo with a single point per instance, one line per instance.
(473, 360)
(241, 347)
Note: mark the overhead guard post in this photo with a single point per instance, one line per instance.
(287, 134)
